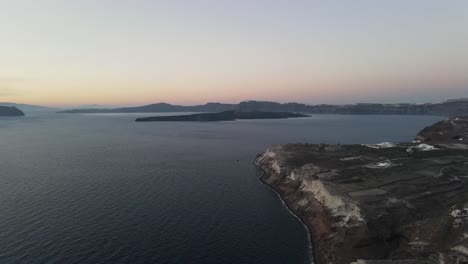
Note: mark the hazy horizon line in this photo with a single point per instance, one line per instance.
(97, 105)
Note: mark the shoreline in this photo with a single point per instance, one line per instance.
(397, 203)
(310, 247)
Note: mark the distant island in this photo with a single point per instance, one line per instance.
(455, 107)
(223, 116)
(27, 108)
(10, 111)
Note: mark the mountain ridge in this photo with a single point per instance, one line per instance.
(29, 107)
(454, 107)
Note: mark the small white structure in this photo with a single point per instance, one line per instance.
(456, 213)
(384, 164)
(421, 147)
(382, 145)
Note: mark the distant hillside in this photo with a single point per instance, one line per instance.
(456, 107)
(452, 129)
(159, 108)
(10, 111)
(93, 106)
(30, 108)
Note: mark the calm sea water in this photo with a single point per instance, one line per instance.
(104, 189)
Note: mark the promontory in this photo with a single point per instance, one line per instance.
(10, 111)
(379, 203)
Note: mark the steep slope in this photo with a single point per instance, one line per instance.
(452, 129)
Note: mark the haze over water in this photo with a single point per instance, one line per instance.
(104, 189)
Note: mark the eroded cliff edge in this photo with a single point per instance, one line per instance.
(402, 203)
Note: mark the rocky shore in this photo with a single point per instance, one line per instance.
(382, 203)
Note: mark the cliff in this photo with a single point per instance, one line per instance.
(222, 116)
(10, 111)
(398, 203)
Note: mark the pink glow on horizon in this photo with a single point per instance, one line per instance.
(190, 52)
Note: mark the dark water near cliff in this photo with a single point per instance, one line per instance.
(103, 189)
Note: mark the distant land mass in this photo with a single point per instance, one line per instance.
(223, 116)
(30, 108)
(10, 111)
(160, 108)
(93, 106)
(456, 107)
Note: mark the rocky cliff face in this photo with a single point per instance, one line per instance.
(10, 111)
(403, 203)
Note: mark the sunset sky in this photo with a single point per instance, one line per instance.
(137, 52)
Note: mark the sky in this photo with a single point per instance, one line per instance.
(134, 52)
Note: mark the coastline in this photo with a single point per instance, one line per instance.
(398, 203)
(310, 247)
(316, 218)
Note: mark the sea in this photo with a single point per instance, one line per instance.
(101, 188)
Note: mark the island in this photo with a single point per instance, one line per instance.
(10, 111)
(379, 203)
(223, 116)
